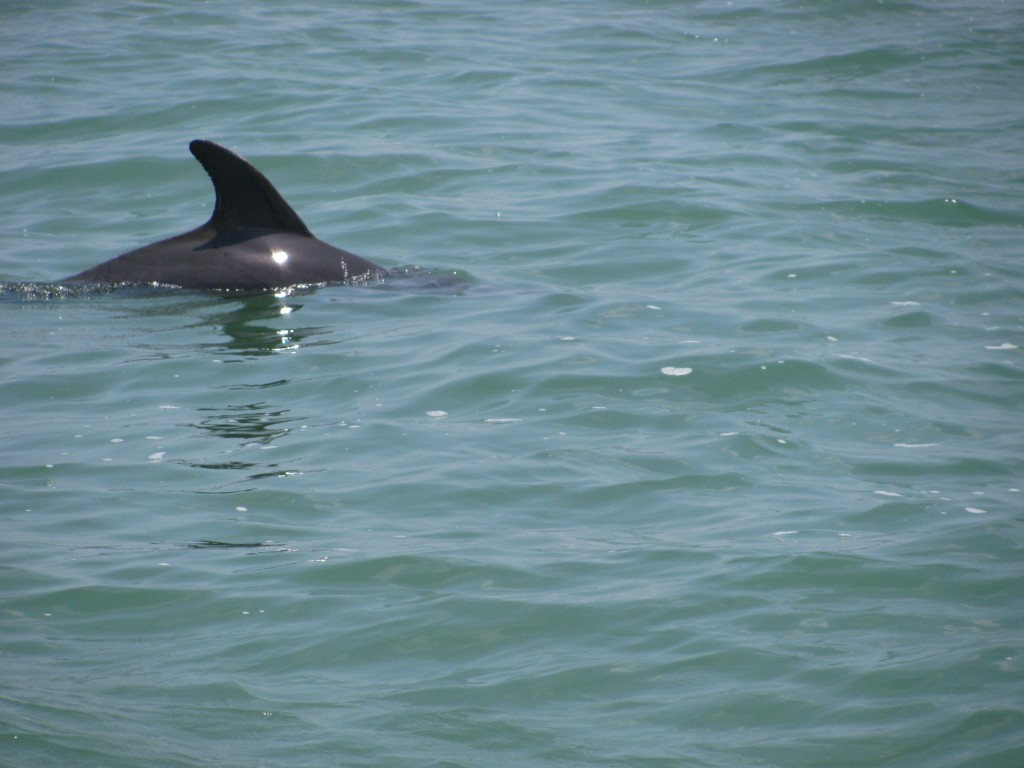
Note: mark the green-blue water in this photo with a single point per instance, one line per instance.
(709, 453)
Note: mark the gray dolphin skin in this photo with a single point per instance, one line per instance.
(253, 241)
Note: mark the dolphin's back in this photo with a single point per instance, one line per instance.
(253, 240)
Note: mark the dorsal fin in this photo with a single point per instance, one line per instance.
(245, 199)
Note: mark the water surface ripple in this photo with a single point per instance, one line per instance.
(686, 433)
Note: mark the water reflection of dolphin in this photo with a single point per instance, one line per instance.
(254, 240)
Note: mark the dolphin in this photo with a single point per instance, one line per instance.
(253, 241)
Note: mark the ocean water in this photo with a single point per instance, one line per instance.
(691, 436)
